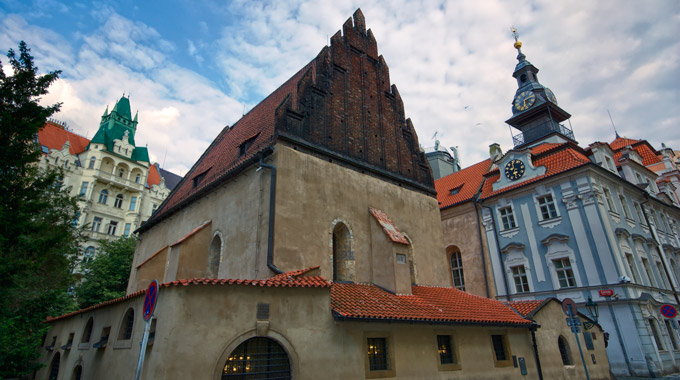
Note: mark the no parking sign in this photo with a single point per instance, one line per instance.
(668, 311)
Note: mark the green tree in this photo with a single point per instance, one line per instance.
(106, 276)
(37, 235)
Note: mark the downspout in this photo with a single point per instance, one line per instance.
(661, 250)
(498, 248)
(272, 204)
(538, 359)
(481, 249)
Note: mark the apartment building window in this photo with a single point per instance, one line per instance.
(83, 189)
(126, 231)
(112, 228)
(519, 275)
(93, 160)
(103, 196)
(456, 263)
(507, 218)
(624, 205)
(565, 274)
(631, 266)
(655, 334)
(610, 163)
(608, 199)
(638, 210)
(138, 178)
(648, 271)
(133, 203)
(547, 206)
(671, 334)
(121, 172)
(664, 280)
(96, 223)
(89, 254)
(118, 203)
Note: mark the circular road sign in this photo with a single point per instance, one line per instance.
(565, 306)
(668, 311)
(150, 300)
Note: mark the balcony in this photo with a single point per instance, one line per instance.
(541, 130)
(122, 182)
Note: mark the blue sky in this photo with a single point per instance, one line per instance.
(192, 66)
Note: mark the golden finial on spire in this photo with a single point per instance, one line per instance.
(518, 43)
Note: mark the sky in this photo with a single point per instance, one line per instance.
(192, 67)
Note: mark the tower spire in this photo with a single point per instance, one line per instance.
(518, 45)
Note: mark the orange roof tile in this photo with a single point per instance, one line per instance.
(427, 304)
(54, 136)
(467, 182)
(292, 279)
(154, 177)
(557, 158)
(622, 142)
(526, 307)
(649, 155)
(388, 226)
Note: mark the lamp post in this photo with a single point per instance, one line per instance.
(592, 309)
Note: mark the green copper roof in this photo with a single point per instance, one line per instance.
(113, 127)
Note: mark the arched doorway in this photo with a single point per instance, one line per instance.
(54, 367)
(257, 358)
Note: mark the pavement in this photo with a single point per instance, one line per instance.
(675, 376)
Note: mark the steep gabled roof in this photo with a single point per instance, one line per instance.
(53, 136)
(557, 159)
(427, 304)
(528, 308)
(462, 185)
(649, 155)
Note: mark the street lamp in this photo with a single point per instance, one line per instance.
(592, 309)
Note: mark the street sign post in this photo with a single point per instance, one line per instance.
(150, 301)
(569, 308)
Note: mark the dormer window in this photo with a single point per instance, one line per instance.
(199, 178)
(243, 148)
(455, 190)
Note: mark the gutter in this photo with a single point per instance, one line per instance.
(272, 205)
(338, 317)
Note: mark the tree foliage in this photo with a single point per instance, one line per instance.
(106, 276)
(37, 234)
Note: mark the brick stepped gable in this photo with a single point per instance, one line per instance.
(340, 104)
(346, 105)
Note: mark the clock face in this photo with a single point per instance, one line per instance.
(524, 100)
(550, 95)
(514, 170)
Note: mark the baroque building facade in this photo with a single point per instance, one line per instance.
(559, 220)
(117, 187)
(307, 233)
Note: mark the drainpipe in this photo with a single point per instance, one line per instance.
(272, 204)
(481, 249)
(498, 247)
(661, 250)
(538, 359)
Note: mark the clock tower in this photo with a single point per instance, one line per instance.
(534, 108)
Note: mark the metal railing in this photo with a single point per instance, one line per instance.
(540, 131)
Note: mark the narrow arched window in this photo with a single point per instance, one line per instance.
(118, 203)
(456, 267)
(138, 178)
(565, 352)
(128, 322)
(87, 332)
(93, 160)
(214, 257)
(77, 372)
(54, 367)
(103, 196)
(260, 357)
(343, 257)
(121, 172)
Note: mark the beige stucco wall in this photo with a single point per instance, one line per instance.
(313, 194)
(199, 325)
(461, 229)
(553, 324)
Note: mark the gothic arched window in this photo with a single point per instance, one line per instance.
(343, 257)
(214, 257)
(565, 352)
(54, 367)
(456, 267)
(128, 322)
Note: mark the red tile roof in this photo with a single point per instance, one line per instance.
(223, 154)
(388, 226)
(292, 279)
(54, 136)
(649, 155)
(557, 158)
(154, 177)
(467, 180)
(526, 307)
(427, 304)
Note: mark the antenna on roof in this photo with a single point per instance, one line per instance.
(244, 109)
(165, 155)
(612, 120)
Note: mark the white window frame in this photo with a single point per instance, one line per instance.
(558, 249)
(624, 207)
(608, 199)
(509, 232)
(111, 228)
(523, 277)
(514, 257)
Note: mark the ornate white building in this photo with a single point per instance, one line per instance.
(117, 187)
